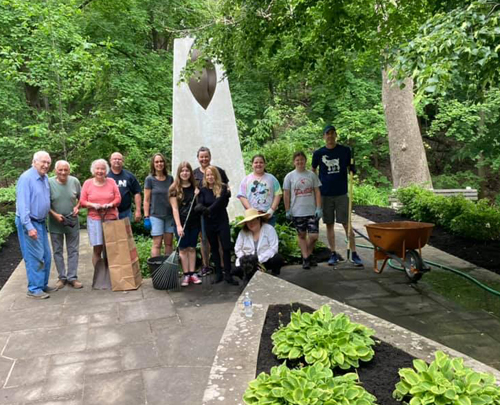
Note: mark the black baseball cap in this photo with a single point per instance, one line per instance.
(329, 127)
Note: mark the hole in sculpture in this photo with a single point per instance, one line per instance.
(202, 84)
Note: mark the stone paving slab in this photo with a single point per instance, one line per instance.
(163, 348)
(87, 347)
(235, 362)
(413, 306)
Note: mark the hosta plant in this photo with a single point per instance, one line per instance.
(321, 337)
(309, 385)
(445, 381)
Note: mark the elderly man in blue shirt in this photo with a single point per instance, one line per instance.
(32, 208)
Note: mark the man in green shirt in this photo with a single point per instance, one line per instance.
(63, 223)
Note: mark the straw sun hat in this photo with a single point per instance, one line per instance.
(250, 214)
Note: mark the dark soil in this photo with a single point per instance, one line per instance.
(482, 254)
(10, 257)
(379, 376)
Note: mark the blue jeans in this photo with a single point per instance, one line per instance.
(125, 214)
(36, 255)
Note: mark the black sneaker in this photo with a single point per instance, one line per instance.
(356, 260)
(312, 261)
(306, 264)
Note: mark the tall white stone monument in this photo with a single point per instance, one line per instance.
(207, 121)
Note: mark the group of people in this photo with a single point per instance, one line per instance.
(191, 205)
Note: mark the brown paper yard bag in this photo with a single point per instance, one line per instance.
(123, 260)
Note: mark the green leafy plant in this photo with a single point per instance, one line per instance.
(288, 245)
(321, 337)
(309, 385)
(143, 244)
(6, 226)
(445, 381)
(480, 221)
(368, 194)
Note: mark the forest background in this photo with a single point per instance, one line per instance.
(84, 78)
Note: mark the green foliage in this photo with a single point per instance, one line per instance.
(456, 180)
(288, 245)
(8, 194)
(367, 194)
(481, 221)
(321, 337)
(473, 122)
(454, 47)
(7, 226)
(84, 79)
(309, 385)
(463, 217)
(446, 381)
(143, 244)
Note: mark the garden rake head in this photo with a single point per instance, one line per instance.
(166, 276)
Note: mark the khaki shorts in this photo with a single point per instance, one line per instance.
(335, 209)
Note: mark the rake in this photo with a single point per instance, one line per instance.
(166, 276)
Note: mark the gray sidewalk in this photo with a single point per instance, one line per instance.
(151, 347)
(102, 347)
(416, 307)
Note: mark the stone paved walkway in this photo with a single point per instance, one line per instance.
(85, 347)
(102, 347)
(415, 307)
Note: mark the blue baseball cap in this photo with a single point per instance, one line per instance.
(329, 127)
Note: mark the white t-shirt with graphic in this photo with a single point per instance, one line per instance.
(260, 190)
(302, 196)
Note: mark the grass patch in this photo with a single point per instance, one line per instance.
(463, 292)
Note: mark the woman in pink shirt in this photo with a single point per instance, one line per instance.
(100, 195)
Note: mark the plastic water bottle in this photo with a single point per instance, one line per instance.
(247, 303)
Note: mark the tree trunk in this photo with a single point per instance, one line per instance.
(408, 158)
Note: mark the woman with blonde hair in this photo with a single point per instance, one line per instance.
(182, 196)
(212, 203)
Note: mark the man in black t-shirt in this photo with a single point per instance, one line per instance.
(128, 185)
(333, 161)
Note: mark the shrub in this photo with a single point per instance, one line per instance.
(457, 180)
(7, 226)
(309, 385)
(320, 337)
(144, 244)
(445, 382)
(479, 221)
(7, 199)
(368, 194)
(288, 245)
(8, 194)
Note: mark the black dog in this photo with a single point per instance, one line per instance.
(249, 265)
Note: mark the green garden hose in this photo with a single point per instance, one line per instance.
(441, 266)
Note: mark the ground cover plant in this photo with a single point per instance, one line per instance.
(446, 381)
(309, 385)
(321, 337)
(378, 376)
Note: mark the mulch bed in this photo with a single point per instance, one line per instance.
(482, 254)
(10, 257)
(379, 376)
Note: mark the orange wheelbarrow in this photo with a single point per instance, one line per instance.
(402, 241)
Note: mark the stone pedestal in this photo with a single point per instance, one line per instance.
(213, 127)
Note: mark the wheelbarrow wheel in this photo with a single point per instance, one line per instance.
(413, 265)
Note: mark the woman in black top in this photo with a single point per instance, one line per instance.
(212, 202)
(182, 192)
